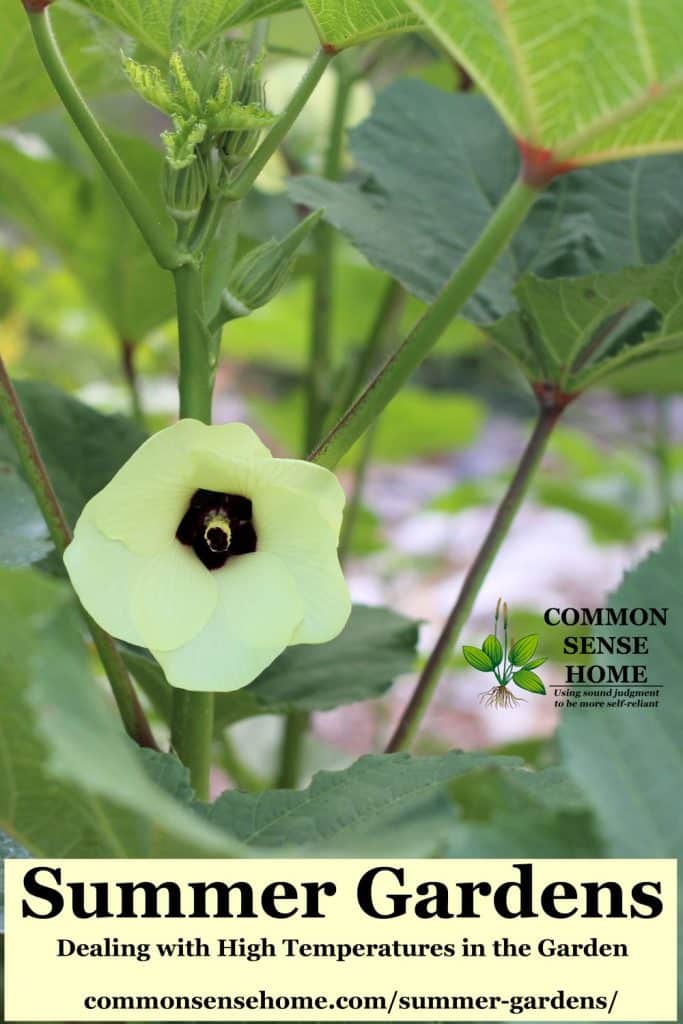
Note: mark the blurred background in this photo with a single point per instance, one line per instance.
(82, 308)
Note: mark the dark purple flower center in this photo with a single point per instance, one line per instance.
(217, 527)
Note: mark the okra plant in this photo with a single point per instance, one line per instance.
(539, 200)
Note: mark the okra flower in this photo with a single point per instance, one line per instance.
(213, 554)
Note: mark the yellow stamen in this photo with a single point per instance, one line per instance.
(218, 541)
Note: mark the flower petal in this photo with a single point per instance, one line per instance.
(102, 572)
(173, 598)
(144, 502)
(315, 483)
(292, 527)
(257, 613)
(228, 440)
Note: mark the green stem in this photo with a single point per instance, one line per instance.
(22, 438)
(507, 510)
(131, 378)
(291, 751)
(323, 275)
(398, 368)
(354, 502)
(155, 233)
(258, 39)
(219, 262)
(243, 777)
(297, 723)
(192, 736)
(385, 325)
(192, 718)
(193, 340)
(239, 188)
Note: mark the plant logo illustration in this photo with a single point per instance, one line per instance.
(511, 661)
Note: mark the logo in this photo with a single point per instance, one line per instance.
(510, 661)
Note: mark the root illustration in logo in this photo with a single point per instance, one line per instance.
(509, 660)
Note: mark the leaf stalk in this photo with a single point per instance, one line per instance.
(193, 712)
(156, 234)
(323, 274)
(239, 188)
(21, 436)
(397, 369)
(405, 733)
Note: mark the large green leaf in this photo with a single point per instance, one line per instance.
(71, 783)
(374, 648)
(590, 82)
(23, 534)
(523, 814)
(25, 89)
(629, 760)
(390, 803)
(577, 332)
(82, 448)
(434, 166)
(343, 23)
(77, 213)
(70, 779)
(166, 24)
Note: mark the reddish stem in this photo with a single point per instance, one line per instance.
(539, 165)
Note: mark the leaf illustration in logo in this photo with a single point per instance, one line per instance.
(524, 649)
(528, 681)
(494, 649)
(477, 659)
(535, 663)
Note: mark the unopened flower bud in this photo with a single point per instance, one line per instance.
(237, 146)
(260, 275)
(184, 189)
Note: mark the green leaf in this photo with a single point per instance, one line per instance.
(169, 24)
(529, 681)
(536, 663)
(477, 659)
(343, 23)
(521, 813)
(524, 649)
(556, 75)
(81, 448)
(25, 89)
(381, 802)
(70, 779)
(374, 648)
(493, 649)
(75, 211)
(629, 760)
(662, 376)
(577, 332)
(433, 167)
(23, 534)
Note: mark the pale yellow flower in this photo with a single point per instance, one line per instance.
(213, 554)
